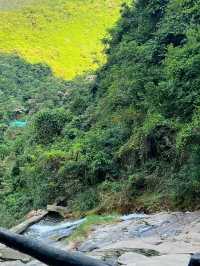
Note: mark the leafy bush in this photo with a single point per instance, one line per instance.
(85, 201)
(49, 124)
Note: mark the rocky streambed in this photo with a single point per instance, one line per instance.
(135, 240)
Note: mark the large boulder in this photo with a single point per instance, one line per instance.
(63, 211)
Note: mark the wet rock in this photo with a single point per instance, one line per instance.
(134, 216)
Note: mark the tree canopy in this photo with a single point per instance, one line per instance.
(128, 136)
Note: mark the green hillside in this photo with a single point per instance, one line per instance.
(14, 4)
(65, 34)
(125, 139)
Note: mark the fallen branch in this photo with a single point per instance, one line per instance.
(21, 228)
(195, 260)
(45, 253)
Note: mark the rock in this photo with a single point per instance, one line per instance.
(87, 247)
(35, 263)
(167, 260)
(35, 213)
(193, 237)
(144, 230)
(7, 254)
(63, 211)
(19, 263)
(35, 217)
(12, 263)
(145, 247)
(130, 257)
(162, 239)
(109, 257)
(137, 245)
(111, 262)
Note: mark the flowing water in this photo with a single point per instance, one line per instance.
(52, 229)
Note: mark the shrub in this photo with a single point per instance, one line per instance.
(48, 125)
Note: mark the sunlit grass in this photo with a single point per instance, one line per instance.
(65, 34)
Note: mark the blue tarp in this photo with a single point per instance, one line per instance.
(18, 123)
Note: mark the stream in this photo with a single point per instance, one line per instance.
(52, 229)
(165, 238)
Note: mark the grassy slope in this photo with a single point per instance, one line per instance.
(13, 4)
(66, 34)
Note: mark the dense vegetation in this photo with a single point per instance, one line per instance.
(127, 139)
(65, 34)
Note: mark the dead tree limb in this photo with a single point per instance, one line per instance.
(45, 253)
(195, 260)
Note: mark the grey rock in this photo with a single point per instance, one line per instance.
(7, 254)
(88, 247)
(63, 211)
(130, 257)
(35, 263)
(12, 263)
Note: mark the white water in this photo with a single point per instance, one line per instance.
(52, 230)
(133, 216)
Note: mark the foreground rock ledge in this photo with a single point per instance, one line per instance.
(164, 239)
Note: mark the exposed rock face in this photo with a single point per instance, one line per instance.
(129, 257)
(163, 239)
(134, 259)
(9, 257)
(62, 211)
(166, 239)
